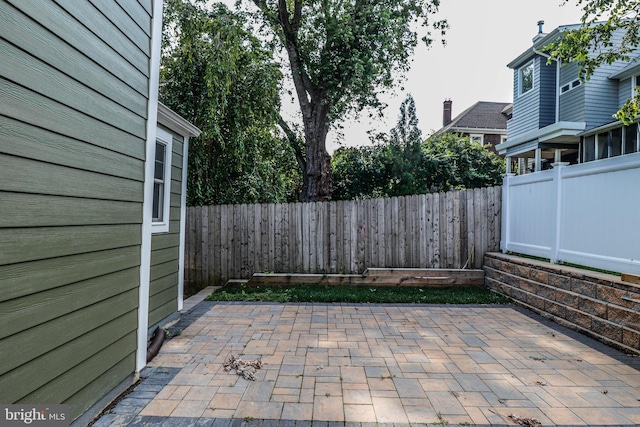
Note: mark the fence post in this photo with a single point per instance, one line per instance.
(557, 181)
(506, 214)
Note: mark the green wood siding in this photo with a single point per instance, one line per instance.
(74, 85)
(165, 247)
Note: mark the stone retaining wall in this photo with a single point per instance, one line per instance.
(589, 302)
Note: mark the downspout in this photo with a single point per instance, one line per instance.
(183, 222)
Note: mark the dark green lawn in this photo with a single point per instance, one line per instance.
(360, 294)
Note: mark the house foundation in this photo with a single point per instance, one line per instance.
(599, 305)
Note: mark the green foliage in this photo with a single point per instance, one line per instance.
(216, 74)
(342, 57)
(462, 163)
(401, 164)
(595, 44)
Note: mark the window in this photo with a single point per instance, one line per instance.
(589, 148)
(572, 85)
(602, 142)
(161, 182)
(526, 78)
(631, 138)
(615, 142)
(635, 83)
(477, 138)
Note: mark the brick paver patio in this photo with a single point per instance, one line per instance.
(337, 364)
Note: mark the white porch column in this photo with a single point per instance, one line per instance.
(508, 165)
(557, 158)
(538, 160)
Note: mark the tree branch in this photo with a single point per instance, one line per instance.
(294, 142)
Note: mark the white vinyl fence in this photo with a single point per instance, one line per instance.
(586, 214)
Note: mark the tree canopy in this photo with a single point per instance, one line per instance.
(401, 164)
(342, 56)
(594, 43)
(218, 75)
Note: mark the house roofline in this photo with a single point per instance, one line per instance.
(175, 122)
(465, 129)
(547, 133)
(540, 44)
(452, 126)
(628, 71)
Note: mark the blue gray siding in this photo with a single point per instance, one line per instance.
(525, 108)
(74, 88)
(547, 93)
(601, 98)
(536, 108)
(624, 91)
(572, 102)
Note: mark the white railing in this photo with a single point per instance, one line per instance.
(586, 214)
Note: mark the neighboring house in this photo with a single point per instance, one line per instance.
(583, 208)
(483, 122)
(91, 234)
(557, 117)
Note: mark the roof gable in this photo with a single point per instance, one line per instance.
(481, 115)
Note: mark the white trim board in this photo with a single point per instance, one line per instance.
(145, 247)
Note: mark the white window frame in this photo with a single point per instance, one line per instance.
(570, 86)
(635, 82)
(165, 138)
(533, 74)
(477, 138)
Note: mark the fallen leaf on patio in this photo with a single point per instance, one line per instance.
(246, 369)
(542, 383)
(527, 422)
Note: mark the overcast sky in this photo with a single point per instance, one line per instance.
(485, 36)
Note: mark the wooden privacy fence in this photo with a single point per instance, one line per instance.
(441, 230)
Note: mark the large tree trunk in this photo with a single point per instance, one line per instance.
(316, 164)
(316, 177)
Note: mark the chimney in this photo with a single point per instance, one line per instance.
(540, 33)
(446, 112)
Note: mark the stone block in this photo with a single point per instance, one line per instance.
(623, 316)
(491, 272)
(612, 295)
(522, 271)
(559, 281)
(528, 286)
(535, 301)
(578, 318)
(509, 267)
(539, 276)
(546, 292)
(593, 306)
(492, 262)
(518, 295)
(566, 298)
(583, 287)
(631, 338)
(554, 308)
(607, 329)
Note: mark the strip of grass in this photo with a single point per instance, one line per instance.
(360, 294)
